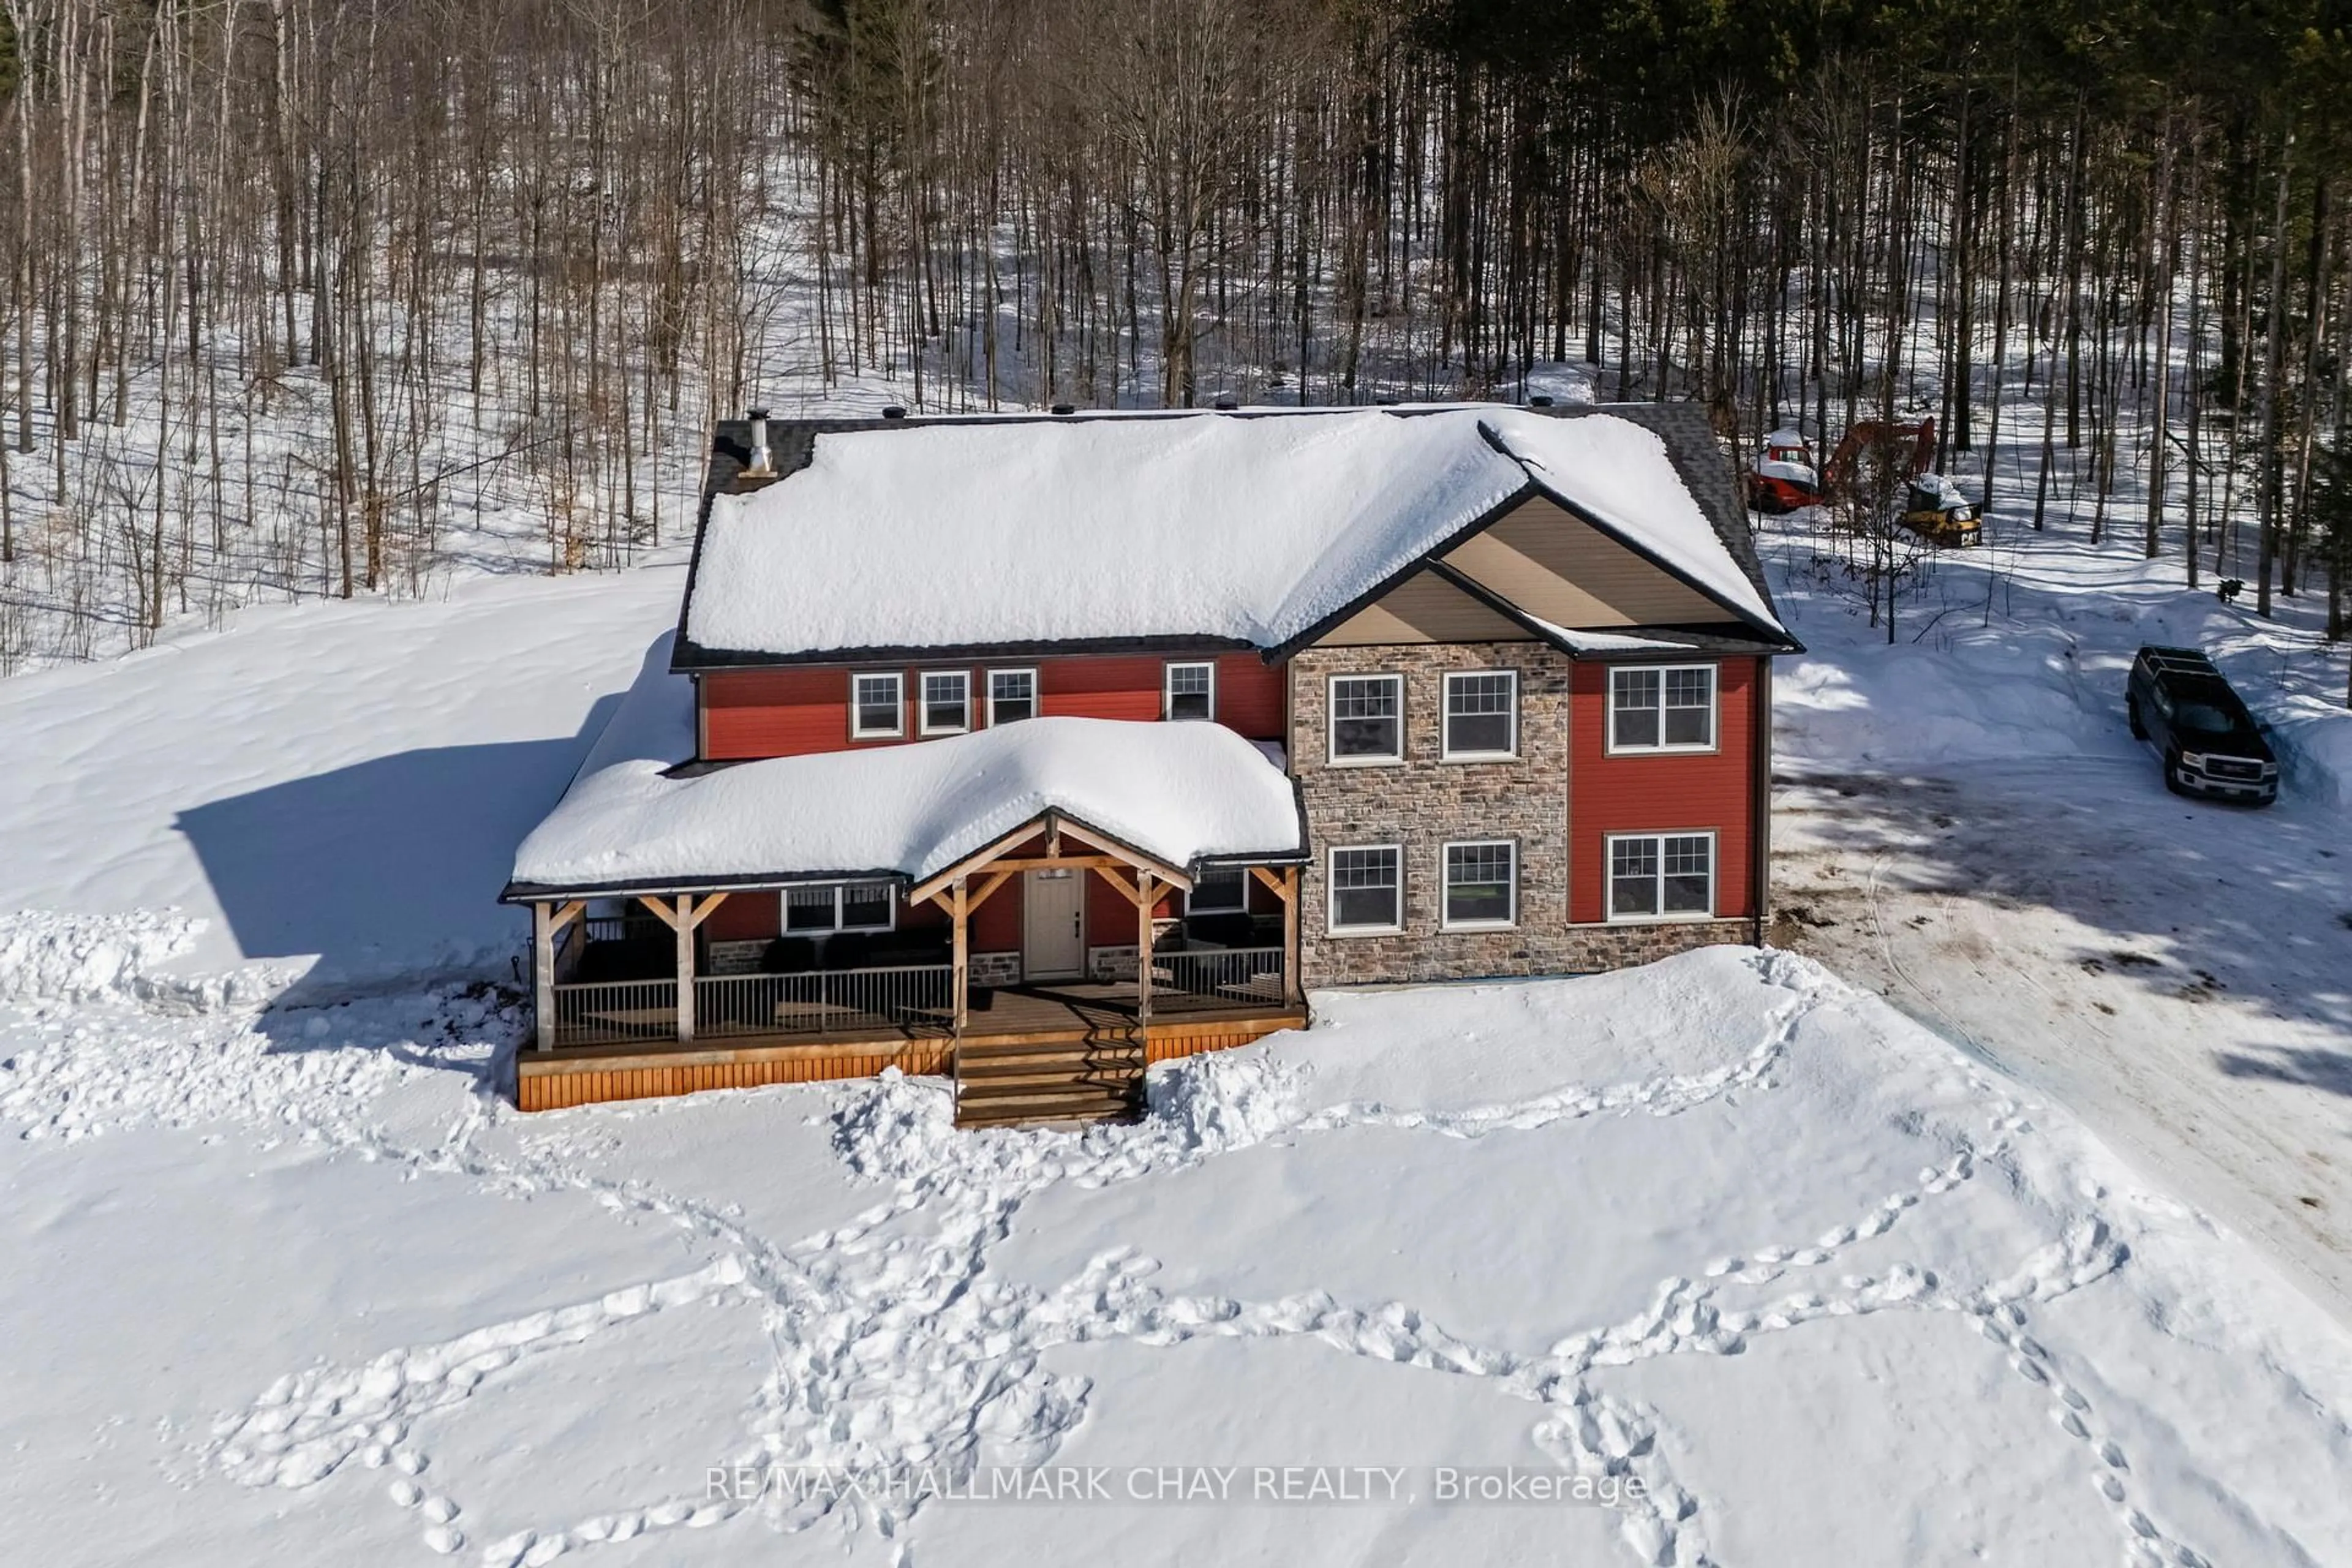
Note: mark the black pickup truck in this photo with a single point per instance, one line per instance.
(2211, 745)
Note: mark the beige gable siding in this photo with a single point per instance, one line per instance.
(1560, 568)
(1424, 608)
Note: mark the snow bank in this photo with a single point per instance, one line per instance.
(47, 957)
(1253, 528)
(1177, 792)
(2315, 749)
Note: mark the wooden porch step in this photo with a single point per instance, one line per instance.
(1049, 1107)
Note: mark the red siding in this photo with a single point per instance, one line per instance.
(792, 712)
(1681, 792)
(774, 712)
(744, 917)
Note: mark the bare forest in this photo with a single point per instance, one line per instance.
(300, 298)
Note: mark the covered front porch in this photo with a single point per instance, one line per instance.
(1043, 972)
(1052, 905)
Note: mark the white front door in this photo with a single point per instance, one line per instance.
(1053, 925)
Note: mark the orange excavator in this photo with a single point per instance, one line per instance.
(1783, 478)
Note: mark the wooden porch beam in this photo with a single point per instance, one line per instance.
(662, 910)
(1005, 874)
(1284, 887)
(542, 973)
(683, 926)
(706, 906)
(979, 859)
(1292, 992)
(1145, 898)
(1131, 891)
(960, 909)
(1166, 873)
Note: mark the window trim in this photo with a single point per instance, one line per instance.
(1660, 835)
(1331, 756)
(1035, 691)
(1243, 908)
(857, 730)
(840, 893)
(1331, 926)
(1713, 713)
(1445, 920)
(923, 703)
(1167, 681)
(1445, 722)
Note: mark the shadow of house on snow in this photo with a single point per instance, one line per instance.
(389, 869)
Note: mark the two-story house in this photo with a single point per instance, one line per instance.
(1032, 749)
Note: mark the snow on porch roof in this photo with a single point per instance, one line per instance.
(1178, 792)
(1250, 528)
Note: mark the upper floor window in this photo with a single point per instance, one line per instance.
(947, 701)
(1668, 708)
(877, 706)
(1012, 696)
(1367, 718)
(1192, 691)
(843, 905)
(1482, 715)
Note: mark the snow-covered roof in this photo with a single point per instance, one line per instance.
(1253, 529)
(1179, 792)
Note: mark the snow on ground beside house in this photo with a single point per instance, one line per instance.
(1176, 792)
(334, 788)
(1828, 1289)
(1966, 824)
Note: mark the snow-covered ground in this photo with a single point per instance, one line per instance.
(1826, 1288)
(1966, 824)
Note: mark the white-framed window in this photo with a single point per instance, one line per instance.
(1662, 707)
(947, 701)
(1482, 715)
(1012, 696)
(1367, 888)
(1660, 876)
(878, 705)
(1367, 719)
(840, 906)
(1481, 884)
(1218, 890)
(1189, 692)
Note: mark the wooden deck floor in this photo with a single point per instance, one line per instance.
(1078, 1011)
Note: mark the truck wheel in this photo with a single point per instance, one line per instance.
(2139, 731)
(2172, 779)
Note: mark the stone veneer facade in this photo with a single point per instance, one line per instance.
(1425, 803)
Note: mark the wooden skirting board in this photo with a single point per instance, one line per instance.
(592, 1076)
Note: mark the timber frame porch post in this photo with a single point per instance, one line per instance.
(684, 918)
(547, 922)
(1147, 894)
(1285, 887)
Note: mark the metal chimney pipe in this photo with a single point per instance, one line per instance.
(760, 467)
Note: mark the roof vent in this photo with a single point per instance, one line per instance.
(896, 411)
(760, 467)
(1226, 405)
(1540, 400)
(1065, 408)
